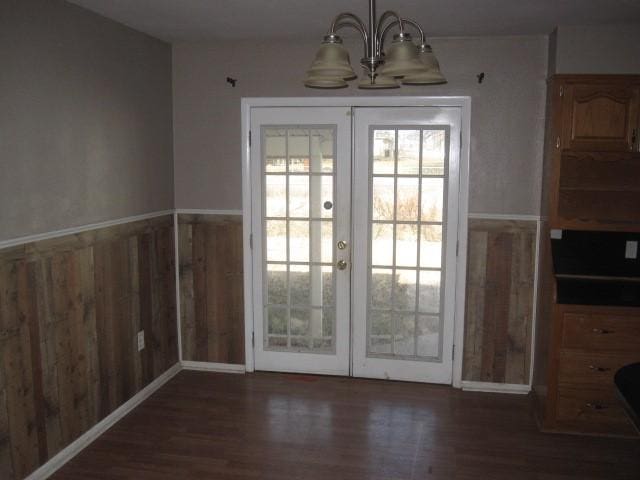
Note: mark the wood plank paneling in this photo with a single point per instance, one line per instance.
(70, 308)
(211, 288)
(499, 301)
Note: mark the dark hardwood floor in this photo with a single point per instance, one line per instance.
(273, 426)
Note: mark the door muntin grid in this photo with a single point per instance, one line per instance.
(298, 202)
(405, 286)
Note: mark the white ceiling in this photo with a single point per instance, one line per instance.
(189, 20)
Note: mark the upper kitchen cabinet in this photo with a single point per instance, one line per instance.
(600, 114)
(591, 178)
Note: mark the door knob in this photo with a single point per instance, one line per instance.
(341, 264)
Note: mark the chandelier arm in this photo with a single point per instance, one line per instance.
(357, 26)
(348, 15)
(417, 26)
(385, 16)
(389, 26)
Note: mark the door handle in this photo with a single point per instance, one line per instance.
(342, 264)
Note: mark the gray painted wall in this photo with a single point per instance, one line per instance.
(606, 49)
(507, 113)
(85, 119)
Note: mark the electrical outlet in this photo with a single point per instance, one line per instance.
(140, 340)
(631, 249)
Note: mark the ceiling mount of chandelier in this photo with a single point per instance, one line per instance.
(403, 61)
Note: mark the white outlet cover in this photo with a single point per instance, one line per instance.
(556, 234)
(631, 249)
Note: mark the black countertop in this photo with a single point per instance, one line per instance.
(627, 381)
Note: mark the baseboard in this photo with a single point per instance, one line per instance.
(99, 428)
(491, 387)
(213, 367)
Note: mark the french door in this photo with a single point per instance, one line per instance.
(354, 221)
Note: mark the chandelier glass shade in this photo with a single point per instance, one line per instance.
(403, 61)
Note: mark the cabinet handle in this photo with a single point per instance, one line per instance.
(634, 139)
(602, 331)
(595, 406)
(599, 369)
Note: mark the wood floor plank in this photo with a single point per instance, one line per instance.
(276, 427)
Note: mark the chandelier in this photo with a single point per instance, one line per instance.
(403, 60)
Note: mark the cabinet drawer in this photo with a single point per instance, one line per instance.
(591, 369)
(601, 332)
(592, 411)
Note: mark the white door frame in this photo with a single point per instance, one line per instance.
(464, 103)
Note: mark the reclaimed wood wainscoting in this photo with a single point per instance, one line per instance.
(70, 310)
(211, 288)
(499, 301)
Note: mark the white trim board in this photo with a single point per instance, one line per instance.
(82, 228)
(212, 367)
(176, 272)
(206, 211)
(71, 450)
(395, 101)
(534, 315)
(470, 386)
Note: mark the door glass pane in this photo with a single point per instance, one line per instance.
(321, 196)
(298, 149)
(433, 152)
(428, 336)
(276, 231)
(408, 199)
(277, 284)
(275, 146)
(298, 273)
(384, 151)
(300, 278)
(298, 196)
(432, 199)
(404, 293)
(429, 298)
(276, 186)
(380, 333)
(404, 338)
(408, 152)
(383, 198)
(321, 149)
(381, 284)
(406, 245)
(382, 244)
(298, 241)
(431, 246)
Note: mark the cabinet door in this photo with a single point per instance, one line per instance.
(600, 117)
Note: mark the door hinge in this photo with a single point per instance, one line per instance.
(457, 247)
(251, 241)
(561, 91)
(453, 352)
(249, 138)
(253, 339)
